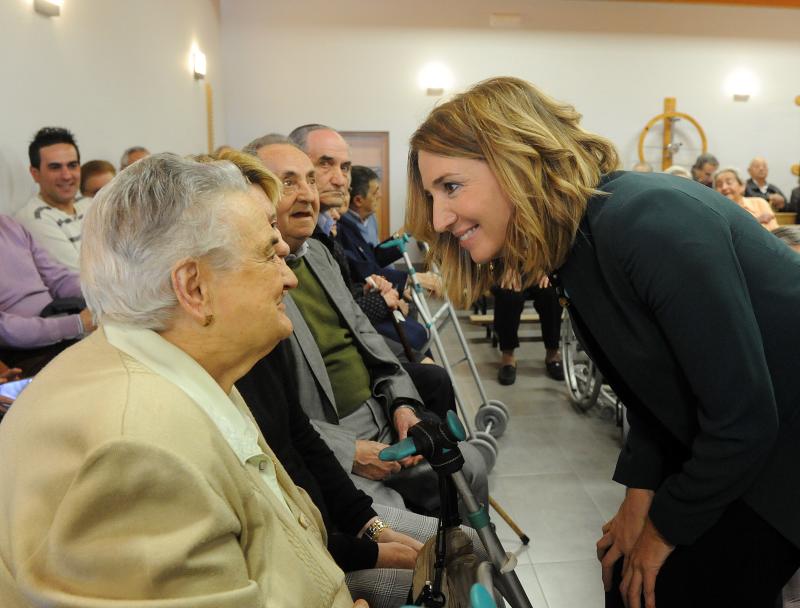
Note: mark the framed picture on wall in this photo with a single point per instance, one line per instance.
(371, 149)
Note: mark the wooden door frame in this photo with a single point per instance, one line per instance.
(382, 138)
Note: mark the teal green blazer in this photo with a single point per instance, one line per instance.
(689, 307)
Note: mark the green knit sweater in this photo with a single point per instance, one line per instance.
(348, 375)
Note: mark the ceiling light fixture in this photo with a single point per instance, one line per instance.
(435, 78)
(48, 8)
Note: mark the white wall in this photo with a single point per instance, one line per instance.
(115, 72)
(353, 64)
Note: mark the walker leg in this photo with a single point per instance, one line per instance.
(503, 563)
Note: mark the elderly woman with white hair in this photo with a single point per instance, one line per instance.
(728, 183)
(133, 473)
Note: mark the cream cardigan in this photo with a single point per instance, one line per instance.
(116, 489)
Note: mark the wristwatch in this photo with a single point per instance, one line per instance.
(375, 529)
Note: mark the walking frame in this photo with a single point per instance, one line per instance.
(491, 419)
(437, 442)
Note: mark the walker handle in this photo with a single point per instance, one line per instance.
(399, 242)
(407, 447)
(398, 451)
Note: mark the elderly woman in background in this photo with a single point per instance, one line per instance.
(134, 473)
(728, 183)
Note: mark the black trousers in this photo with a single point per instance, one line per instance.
(741, 561)
(433, 384)
(508, 305)
(32, 360)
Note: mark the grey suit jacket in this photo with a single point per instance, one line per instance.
(389, 380)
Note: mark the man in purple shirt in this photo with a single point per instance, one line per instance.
(30, 282)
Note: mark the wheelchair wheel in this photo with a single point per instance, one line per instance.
(581, 375)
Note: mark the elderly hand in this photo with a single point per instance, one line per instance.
(766, 218)
(397, 550)
(7, 374)
(622, 531)
(366, 462)
(642, 566)
(777, 201)
(404, 419)
(403, 306)
(87, 320)
(396, 555)
(392, 299)
(383, 284)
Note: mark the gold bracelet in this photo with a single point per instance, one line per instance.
(375, 529)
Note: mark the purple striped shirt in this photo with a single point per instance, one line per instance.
(29, 280)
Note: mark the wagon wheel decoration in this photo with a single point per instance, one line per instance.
(670, 147)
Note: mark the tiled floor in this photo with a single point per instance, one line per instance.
(553, 473)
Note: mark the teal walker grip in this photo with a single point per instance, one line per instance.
(399, 242)
(398, 451)
(455, 426)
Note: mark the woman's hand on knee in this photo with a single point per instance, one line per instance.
(642, 566)
(622, 531)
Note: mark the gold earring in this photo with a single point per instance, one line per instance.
(208, 320)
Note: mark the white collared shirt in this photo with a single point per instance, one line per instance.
(174, 365)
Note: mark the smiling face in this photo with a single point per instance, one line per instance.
(467, 202)
(727, 185)
(299, 205)
(281, 247)
(331, 157)
(58, 174)
(248, 302)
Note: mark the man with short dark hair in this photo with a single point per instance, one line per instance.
(758, 186)
(704, 168)
(365, 198)
(54, 217)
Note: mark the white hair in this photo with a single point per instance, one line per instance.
(733, 170)
(679, 171)
(157, 212)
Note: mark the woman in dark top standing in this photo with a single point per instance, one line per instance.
(683, 301)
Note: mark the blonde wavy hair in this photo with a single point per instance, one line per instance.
(252, 169)
(544, 162)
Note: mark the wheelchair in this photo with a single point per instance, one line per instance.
(585, 384)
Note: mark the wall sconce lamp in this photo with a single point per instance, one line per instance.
(198, 64)
(435, 78)
(48, 8)
(741, 84)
